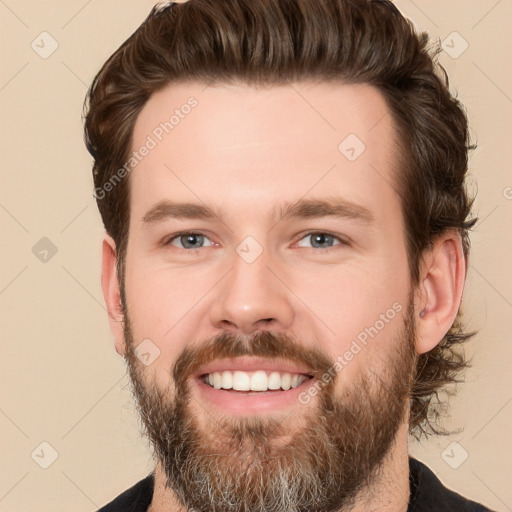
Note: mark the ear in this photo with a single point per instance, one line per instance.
(442, 276)
(112, 293)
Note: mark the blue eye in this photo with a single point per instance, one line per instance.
(322, 241)
(317, 240)
(188, 241)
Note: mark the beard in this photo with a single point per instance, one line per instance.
(250, 463)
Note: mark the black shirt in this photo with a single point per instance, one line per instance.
(427, 495)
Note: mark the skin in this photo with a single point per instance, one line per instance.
(244, 152)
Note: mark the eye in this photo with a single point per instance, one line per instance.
(188, 240)
(321, 240)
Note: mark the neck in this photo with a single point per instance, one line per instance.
(389, 491)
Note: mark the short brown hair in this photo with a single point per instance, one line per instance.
(272, 42)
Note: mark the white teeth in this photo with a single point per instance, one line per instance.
(241, 381)
(253, 381)
(274, 380)
(217, 380)
(286, 380)
(259, 381)
(227, 380)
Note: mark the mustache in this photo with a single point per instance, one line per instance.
(259, 344)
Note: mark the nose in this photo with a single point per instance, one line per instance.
(252, 297)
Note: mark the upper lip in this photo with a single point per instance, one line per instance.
(250, 363)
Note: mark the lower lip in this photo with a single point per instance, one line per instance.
(247, 402)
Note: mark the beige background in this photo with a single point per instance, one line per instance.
(61, 381)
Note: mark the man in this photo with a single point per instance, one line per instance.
(282, 186)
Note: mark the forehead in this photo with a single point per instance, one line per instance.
(240, 145)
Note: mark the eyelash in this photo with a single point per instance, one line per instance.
(341, 241)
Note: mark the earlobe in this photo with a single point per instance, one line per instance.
(439, 294)
(111, 292)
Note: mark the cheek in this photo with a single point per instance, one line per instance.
(167, 307)
(153, 308)
(359, 312)
(161, 298)
(346, 299)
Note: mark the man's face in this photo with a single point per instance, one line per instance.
(254, 294)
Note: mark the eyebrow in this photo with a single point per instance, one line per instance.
(170, 210)
(328, 207)
(302, 208)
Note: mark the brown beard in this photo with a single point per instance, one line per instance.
(241, 464)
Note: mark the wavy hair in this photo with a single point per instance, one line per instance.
(272, 42)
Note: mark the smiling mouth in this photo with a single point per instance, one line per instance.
(254, 382)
